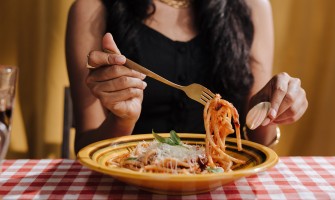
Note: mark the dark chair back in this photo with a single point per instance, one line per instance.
(68, 123)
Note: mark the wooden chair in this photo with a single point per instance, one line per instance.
(68, 123)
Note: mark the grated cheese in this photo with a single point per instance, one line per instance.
(185, 153)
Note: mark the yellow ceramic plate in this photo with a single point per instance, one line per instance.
(96, 156)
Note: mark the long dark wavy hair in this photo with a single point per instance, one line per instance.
(226, 27)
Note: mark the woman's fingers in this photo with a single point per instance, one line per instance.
(122, 95)
(288, 100)
(125, 103)
(279, 87)
(98, 58)
(111, 98)
(119, 89)
(112, 56)
(111, 72)
(295, 110)
(114, 78)
(109, 43)
(128, 109)
(291, 96)
(121, 83)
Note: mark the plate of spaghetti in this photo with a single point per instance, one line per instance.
(182, 163)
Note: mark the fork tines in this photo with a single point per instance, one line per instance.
(207, 95)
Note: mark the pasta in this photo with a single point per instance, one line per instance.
(163, 158)
(218, 117)
(171, 155)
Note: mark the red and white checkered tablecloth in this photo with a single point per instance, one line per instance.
(291, 178)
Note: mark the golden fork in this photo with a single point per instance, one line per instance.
(194, 91)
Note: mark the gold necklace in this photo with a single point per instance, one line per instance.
(177, 3)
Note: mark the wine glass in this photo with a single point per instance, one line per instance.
(8, 78)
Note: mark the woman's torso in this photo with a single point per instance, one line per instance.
(165, 108)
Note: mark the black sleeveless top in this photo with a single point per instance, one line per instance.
(165, 108)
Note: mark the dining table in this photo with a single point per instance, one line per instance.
(293, 177)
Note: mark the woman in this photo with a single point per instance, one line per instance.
(226, 45)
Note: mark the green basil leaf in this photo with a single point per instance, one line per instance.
(172, 140)
(174, 137)
(131, 158)
(158, 137)
(215, 170)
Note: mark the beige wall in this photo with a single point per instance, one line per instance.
(305, 47)
(32, 37)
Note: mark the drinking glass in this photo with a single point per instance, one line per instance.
(8, 78)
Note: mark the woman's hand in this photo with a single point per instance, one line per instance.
(287, 97)
(119, 88)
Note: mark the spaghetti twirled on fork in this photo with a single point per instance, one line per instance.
(218, 117)
(170, 155)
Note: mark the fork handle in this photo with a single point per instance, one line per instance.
(133, 65)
